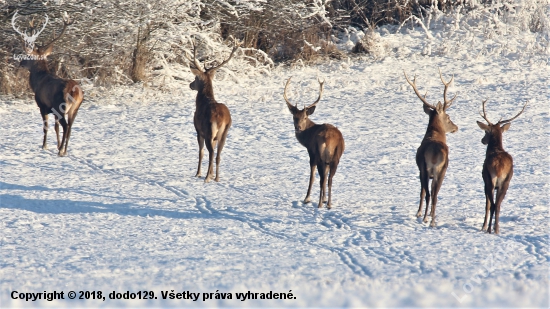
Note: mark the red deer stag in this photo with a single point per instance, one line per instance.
(212, 119)
(432, 157)
(52, 94)
(498, 167)
(324, 143)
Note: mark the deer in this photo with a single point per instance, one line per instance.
(432, 157)
(52, 94)
(212, 120)
(324, 144)
(498, 167)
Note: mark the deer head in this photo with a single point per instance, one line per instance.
(493, 132)
(205, 76)
(438, 111)
(300, 116)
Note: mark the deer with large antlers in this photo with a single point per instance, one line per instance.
(498, 167)
(212, 120)
(52, 94)
(432, 157)
(324, 143)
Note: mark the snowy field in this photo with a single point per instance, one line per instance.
(123, 211)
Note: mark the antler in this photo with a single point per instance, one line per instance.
(446, 103)
(484, 115)
(284, 94)
(413, 84)
(510, 120)
(66, 22)
(235, 47)
(34, 33)
(194, 60)
(320, 93)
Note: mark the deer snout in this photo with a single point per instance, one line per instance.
(484, 140)
(299, 127)
(455, 128)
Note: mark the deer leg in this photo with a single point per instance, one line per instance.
(501, 193)
(45, 128)
(436, 185)
(57, 131)
(63, 123)
(488, 197)
(422, 194)
(200, 139)
(69, 129)
(327, 169)
(424, 182)
(487, 209)
(221, 143)
(493, 207)
(210, 149)
(322, 182)
(333, 168)
(311, 179)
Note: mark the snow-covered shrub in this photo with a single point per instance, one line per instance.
(121, 41)
(373, 44)
(283, 29)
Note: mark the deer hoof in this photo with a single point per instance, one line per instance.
(432, 224)
(329, 206)
(217, 179)
(419, 214)
(425, 220)
(307, 200)
(320, 205)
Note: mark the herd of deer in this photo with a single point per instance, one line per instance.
(324, 143)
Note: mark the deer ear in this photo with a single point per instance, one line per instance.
(505, 127)
(46, 52)
(439, 107)
(310, 110)
(292, 108)
(427, 109)
(483, 126)
(195, 71)
(211, 73)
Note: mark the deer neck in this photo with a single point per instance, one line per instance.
(435, 131)
(205, 94)
(495, 144)
(305, 136)
(39, 70)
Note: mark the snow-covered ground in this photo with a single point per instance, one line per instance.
(123, 211)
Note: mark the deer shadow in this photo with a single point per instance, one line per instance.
(9, 186)
(58, 206)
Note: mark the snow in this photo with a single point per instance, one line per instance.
(123, 211)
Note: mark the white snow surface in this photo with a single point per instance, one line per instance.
(124, 212)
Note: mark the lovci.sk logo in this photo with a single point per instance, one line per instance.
(29, 39)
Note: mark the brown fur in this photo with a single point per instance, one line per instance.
(212, 120)
(52, 94)
(498, 167)
(432, 157)
(324, 144)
